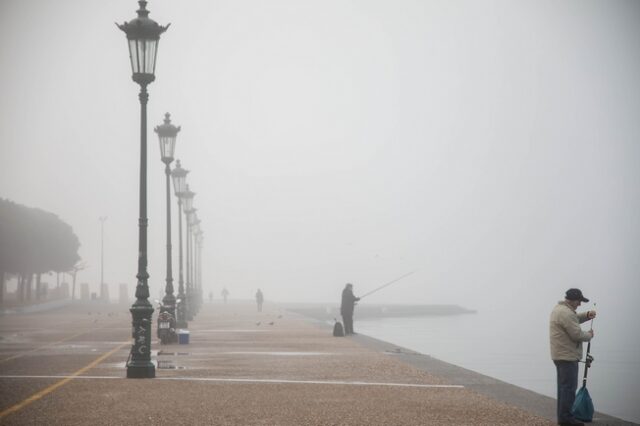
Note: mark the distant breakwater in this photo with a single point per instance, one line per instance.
(327, 312)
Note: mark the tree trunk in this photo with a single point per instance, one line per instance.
(20, 289)
(38, 286)
(73, 285)
(29, 287)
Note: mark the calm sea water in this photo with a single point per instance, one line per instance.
(514, 347)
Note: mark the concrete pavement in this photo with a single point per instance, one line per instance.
(67, 367)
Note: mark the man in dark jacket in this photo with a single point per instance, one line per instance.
(346, 308)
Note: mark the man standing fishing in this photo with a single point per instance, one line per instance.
(346, 308)
(566, 339)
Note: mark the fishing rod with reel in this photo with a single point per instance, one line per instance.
(583, 404)
(338, 329)
(386, 284)
(588, 359)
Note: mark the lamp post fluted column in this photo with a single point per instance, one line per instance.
(143, 35)
(195, 229)
(181, 318)
(187, 198)
(191, 305)
(199, 267)
(140, 365)
(179, 176)
(169, 299)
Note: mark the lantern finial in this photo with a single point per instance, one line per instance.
(142, 12)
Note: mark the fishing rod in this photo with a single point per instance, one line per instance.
(582, 408)
(588, 359)
(389, 283)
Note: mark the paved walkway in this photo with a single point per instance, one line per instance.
(240, 368)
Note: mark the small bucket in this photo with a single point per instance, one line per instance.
(183, 337)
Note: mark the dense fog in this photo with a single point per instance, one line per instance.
(492, 147)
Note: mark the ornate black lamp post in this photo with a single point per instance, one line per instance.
(195, 229)
(191, 218)
(167, 133)
(143, 35)
(187, 196)
(201, 243)
(102, 295)
(179, 176)
(199, 239)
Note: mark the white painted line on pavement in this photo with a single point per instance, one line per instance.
(9, 376)
(238, 380)
(36, 396)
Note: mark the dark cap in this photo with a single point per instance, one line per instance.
(575, 294)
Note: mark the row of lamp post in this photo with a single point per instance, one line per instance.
(188, 305)
(167, 134)
(143, 36)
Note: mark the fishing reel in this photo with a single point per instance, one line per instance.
(588, 360)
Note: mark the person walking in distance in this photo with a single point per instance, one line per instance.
(347, 307)
(566, 338)
(225, 294)
(259, 299)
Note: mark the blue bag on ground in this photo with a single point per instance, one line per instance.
(583, 406)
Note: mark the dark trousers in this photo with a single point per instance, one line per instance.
(567, 385)
(347, 318)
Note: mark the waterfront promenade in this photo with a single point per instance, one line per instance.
(241, 367)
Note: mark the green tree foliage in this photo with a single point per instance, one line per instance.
(34, 241)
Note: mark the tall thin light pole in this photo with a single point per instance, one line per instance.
(143, 36)
(187, 197)
(195, 228)
(102, 220)
(181, 319)
(190, 306)
(199, 268)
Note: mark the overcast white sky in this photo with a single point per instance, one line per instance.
(491, 145)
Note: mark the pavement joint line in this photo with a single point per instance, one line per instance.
(239, 380)
(313, 382)
(21, 354)
(36, 396)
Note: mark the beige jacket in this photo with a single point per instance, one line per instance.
(565, 334)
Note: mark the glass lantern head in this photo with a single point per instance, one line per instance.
(179, 176)
(167, 133)
(143, 35)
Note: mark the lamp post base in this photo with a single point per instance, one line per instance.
(141, 370)
(139, 364)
